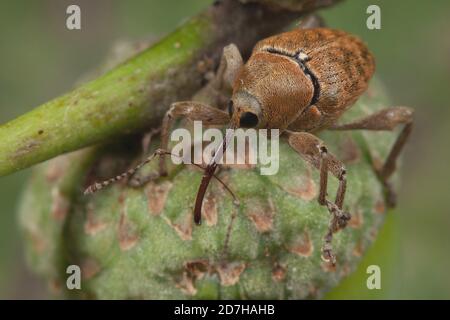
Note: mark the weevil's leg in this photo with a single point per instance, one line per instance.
(145, 144)
(315, 152)
(219, 88)
(386, 119)
(192, 110)
(230, 64)
(311, 21)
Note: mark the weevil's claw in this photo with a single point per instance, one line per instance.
(342, 220)
(339, 220)
(327, 254)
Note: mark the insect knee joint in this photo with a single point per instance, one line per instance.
(323, 150)
(343, 175)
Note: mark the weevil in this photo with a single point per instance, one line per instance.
(300, 82)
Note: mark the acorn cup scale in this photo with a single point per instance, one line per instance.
(142, 243)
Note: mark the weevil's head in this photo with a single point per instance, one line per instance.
(245, 111)
(270, 91)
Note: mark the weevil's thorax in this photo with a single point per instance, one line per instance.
(274, 88)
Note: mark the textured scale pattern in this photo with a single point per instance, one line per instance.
(340, 61)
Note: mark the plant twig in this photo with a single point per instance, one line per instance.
(135, 95)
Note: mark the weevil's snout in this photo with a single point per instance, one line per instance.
(245, 111)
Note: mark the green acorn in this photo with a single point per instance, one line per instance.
(142, 243)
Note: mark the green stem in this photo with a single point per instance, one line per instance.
(134, 95)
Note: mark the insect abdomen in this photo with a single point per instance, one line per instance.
(341, 62)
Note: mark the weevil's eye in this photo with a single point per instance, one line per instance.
(230, 108)
(248, 120)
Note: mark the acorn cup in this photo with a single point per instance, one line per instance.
(142, 243)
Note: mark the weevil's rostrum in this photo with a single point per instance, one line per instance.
(299, 82)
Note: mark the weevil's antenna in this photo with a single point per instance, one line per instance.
(98, 186)
(209, 173)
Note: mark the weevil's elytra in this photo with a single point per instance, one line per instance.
(339, 65)
(299, 82)
(301, 58)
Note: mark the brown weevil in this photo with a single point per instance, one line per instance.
(299, 82)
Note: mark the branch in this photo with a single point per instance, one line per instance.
(135, 95)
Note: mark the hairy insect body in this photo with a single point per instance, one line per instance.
(272, 87)
(306, 79)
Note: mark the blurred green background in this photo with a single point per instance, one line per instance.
(40, 59)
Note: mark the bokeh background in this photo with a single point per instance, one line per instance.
(40, 59)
